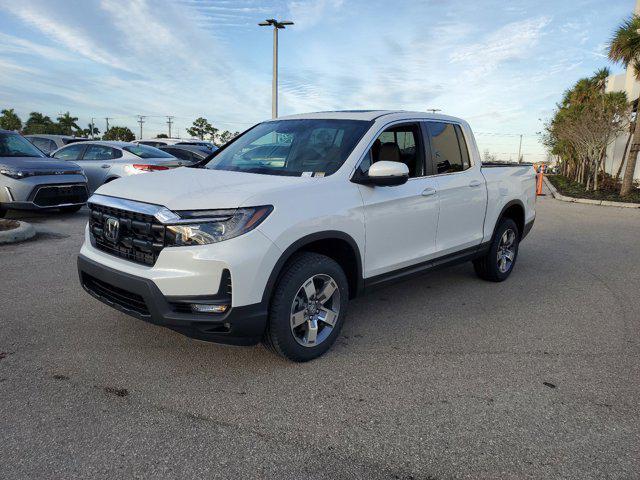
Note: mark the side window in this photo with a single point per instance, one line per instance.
(466, 163)
(41, 143)
(397, 144)
(446, 150)
(101, 152)
(72, 152)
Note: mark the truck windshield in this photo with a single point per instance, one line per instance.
(292, 147)
(14, 145)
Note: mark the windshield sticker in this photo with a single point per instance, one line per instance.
(307, 174)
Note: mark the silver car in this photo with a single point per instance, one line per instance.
(49, 143)
(31, 181)
(104, 161)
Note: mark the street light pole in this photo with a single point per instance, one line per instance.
(274, 83)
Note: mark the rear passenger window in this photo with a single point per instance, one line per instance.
(466, 163)
(447, 151)
(101, 152)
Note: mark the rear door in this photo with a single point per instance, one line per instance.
(401, 220)
(461, 189)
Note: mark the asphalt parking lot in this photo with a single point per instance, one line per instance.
(441, 377)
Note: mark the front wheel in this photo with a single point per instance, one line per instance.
(497, 264)
(308, 307)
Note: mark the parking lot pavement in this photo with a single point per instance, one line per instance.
(444, 376)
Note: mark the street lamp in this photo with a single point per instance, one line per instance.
(274, 86)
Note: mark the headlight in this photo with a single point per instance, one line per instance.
(202, 227)
(15, 173)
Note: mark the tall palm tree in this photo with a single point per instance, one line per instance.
(68, 123)
(625, 48)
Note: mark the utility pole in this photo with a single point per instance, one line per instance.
(169, 122)
(141, 121)
(92, 127)
(520, 149)
(274, 84)
(107, 120)
(434, 110)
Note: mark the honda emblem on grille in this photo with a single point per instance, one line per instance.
(111, 229)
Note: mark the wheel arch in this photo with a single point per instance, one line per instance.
(337, 245)
(516, 212)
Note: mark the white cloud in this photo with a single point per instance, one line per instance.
(309, 13)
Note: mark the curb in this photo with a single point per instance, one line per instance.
(605, 203)
(25, 231)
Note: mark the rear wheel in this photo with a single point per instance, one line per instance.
(497, 264)
(308, 307)
(3, 212)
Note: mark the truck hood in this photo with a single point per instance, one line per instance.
(196, 188)
(41, 165)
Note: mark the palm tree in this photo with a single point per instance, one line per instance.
(68, 123)
(625, 48)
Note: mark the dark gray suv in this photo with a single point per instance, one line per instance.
(31, 181)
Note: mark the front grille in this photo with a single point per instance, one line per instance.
(123, 298)
(140, 238)
(54, 195)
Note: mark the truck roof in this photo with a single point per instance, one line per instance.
(370, 115)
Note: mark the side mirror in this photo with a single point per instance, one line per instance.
(386, 174)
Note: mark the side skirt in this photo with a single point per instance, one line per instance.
(412, 271)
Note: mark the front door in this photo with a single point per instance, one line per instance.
(401, 221)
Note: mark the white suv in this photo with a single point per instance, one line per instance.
(296, 216)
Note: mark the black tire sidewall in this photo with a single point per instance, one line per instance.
(296, 273)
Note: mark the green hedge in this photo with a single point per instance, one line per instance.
(573, 189)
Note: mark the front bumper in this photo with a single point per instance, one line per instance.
(142, 299)
(41, 193)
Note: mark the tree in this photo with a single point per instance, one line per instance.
(488, 157)
(225, 137)
(68, 124)
(162, 135)
(10, 120)
(123, 134)
(202, 127)
(625, 48)
(584, 124)
(39, 123)
(88, 133)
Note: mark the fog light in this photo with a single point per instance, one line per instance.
(204, 308)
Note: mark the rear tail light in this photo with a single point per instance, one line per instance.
(149, 168)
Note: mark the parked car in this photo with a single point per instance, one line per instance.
(187, 154)
(31, 181)
(104, 161)
(49, 143)
(251, 249)
(163, 142)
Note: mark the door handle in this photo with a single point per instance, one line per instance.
(105, 165)
(475, 183)
(427, 192)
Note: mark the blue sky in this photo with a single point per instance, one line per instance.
(500, 65)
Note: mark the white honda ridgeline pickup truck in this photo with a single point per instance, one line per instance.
(271, 238)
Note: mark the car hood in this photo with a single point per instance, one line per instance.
(40, 165)
(196, 188)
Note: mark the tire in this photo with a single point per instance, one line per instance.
(73, 209)
(3, 212)
(290, 304)
(491, 267)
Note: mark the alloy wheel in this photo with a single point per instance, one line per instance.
(315, 310)
(506, 250)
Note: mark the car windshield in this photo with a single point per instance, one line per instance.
(292, 147)
(14, 145)
(144, 151)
